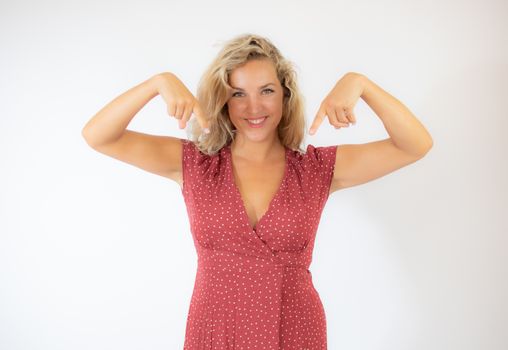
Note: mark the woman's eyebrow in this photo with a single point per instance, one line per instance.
(261, 87)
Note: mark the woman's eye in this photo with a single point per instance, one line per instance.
(236, 93)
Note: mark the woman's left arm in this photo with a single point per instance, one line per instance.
(405, 130)
(359, 163)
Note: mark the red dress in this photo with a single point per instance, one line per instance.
(253, 287)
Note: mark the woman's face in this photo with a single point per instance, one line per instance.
(257, 93)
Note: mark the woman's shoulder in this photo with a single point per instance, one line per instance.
(316, 155)
(192, 149)
(193, 156)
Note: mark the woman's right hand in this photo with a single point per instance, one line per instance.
(181, 104)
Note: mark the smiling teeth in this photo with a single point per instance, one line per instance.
(256, 121)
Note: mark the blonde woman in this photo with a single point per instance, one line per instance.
(253, 196)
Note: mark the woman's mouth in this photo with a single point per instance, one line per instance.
(256, 123)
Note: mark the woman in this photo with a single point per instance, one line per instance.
(253, 197)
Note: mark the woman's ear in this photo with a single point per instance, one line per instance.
(287, 92)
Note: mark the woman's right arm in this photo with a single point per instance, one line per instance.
(106, 131)
(109, 124)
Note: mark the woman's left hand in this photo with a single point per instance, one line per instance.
(339, 103)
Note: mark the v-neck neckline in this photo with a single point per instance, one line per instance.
(239, 195)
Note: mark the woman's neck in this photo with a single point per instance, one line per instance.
(259, 152)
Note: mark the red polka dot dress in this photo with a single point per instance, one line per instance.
(253, 287)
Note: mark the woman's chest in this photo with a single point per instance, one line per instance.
(257, 187)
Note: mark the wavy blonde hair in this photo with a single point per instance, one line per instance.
(214, 91)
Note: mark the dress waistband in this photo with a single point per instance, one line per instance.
(234, 260)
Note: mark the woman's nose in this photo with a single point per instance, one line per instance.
(253, 105)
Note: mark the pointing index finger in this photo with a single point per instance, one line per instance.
(318, 119)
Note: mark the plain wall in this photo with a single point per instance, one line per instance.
(97, 254)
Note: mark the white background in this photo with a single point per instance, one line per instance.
(97, 254)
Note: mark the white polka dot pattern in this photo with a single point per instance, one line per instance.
(253, 287)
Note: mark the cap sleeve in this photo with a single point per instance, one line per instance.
(322, 163)
(190, 163)
(197, 167)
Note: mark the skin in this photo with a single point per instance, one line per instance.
(356, 164)
(257, 153)
(260, 145)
